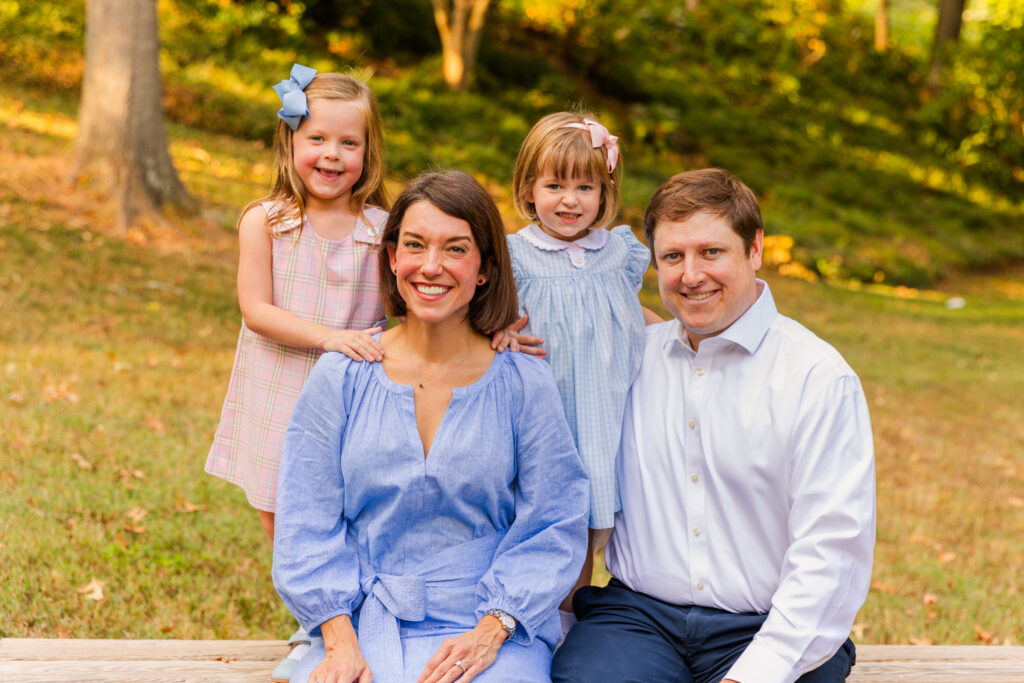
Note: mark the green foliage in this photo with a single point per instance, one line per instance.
(869, 171)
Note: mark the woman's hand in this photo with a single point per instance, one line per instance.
(511, 339)
(344, 662)
(356, 345)
(475, 650)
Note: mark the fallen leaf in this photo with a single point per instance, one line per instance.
(947, 557)
(921, 641)
(886, 587)
(155, 424)
(59, 392)
(15, 397)
(92, 590)
(81, 461)
(930, 598)
(187, 507)
(135, 529)
(124, 475)
(136, 514)
(984, 636)
(1015, 501)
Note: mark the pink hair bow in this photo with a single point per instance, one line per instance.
(600, 137)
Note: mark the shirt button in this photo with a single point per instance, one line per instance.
(700, 585)
(694, 478)
(700, 371)
(693, 425)
(696, 532)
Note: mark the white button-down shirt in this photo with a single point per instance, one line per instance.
(748, 485)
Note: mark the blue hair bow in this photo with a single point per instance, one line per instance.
(293, 96)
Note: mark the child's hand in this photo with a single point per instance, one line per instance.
(511, 339)
(358, 346)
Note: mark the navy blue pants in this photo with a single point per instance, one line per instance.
(622, 636)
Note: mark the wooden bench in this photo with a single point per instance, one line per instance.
(37, 660)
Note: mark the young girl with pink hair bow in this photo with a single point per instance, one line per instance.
(578, 283)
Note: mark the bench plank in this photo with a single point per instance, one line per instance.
(86, 649)
(136, 671)
(51, 660)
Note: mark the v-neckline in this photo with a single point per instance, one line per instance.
(406, 390)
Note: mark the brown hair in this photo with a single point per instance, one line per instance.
(710, 190)
(369, 189)
(495, 304)
(567, 153)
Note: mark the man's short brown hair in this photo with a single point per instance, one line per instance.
(495, 304)
(709, 190)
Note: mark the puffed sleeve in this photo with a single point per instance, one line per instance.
(539, 560)
(638, 256)
(316, 568)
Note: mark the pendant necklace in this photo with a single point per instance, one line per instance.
(412, 368)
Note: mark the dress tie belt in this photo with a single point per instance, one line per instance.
(390, 597)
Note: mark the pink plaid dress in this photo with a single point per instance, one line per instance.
(332, 283)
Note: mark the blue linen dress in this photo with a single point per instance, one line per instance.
(417, 549)
(582, 301)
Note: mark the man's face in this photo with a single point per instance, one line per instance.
(705, 277)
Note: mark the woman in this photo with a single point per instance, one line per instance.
(432, 506)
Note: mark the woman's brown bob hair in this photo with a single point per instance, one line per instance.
(495, 304)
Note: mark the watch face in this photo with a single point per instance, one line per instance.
(507, 622)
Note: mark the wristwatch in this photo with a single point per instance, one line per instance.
(508, 622)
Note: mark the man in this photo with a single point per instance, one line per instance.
(743, 549)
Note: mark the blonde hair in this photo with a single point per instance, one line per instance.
(567, 153)
(289, 188)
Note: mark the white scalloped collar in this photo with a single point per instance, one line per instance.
(593, 240)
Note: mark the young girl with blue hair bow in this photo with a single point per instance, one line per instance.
(307, 277)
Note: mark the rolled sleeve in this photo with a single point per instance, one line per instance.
(827, 568)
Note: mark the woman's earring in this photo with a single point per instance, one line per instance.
(480, 280)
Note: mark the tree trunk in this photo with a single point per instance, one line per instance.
(460, 24)
(121, 129)
(882, 26)
(947, 33)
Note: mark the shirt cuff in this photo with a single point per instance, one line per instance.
(758, 664)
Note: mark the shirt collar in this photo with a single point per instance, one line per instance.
(364, 232)
(593, 240)
(748, 330)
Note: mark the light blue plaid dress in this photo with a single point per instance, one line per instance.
(582, 301)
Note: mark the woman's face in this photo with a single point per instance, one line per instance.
(436, 263)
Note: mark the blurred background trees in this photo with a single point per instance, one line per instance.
(121, 130)
(887, 148)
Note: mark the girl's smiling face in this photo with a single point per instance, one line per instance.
(436, 264)
(566, 207)
(329, 148)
